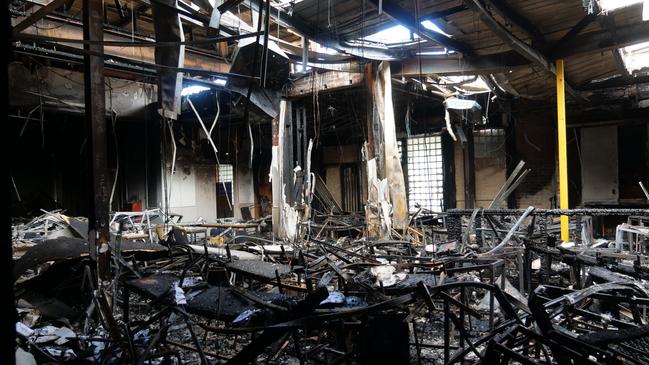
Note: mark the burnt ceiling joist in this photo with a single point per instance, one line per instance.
(571, 34)
(38, 15)
(480, 7)
(449, 66)
(326, 40)
(504, 10)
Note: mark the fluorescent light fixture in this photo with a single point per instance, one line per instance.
(609, 5)
(461, 104)
(434, 27)
(284, 3)
(436, 53)
(193, 89)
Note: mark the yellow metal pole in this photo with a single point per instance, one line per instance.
(563, 150)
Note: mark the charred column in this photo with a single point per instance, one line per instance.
(96, 129)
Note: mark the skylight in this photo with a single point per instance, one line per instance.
(635, 57)
(392, 35)
(466, 84)
(400, 34)
(608, 5)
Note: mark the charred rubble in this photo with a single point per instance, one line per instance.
(457, 296)
(326, 182)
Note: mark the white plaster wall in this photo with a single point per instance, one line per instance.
(244, 190)
(194, 195)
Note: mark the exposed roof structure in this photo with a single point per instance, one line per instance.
(511, 44)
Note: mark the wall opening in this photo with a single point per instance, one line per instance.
(425, 172)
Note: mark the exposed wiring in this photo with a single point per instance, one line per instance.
(29, 116)
(218, 111)
(527, 140)
(209, 138)
(173, 143)
(113, 117)
(169, 123)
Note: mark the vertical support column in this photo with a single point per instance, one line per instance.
(391, 164)
(448, 160)
(374, 129)
(510, 148)
(305, 54)
(288, 162)
(95, 109)
(275, 169)
(563, 150)
(298, 130)
(305, 137)
(7, 304)
(369, 103)
(469, 170)
(372, 219)
(404, 166)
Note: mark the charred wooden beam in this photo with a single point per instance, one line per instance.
(572, 33)
(324, 38)
(513, 17)
(604, 40)
(7, 304)
(608, 22)
(446, 12)
(525, 50)
(195, 59)
(97, 139)
(468, 153)
(324, 82)
(484, 65)
(120, 10)
(38, 15)
(168, 28)
(618, 82)
(135, 13)
(227, 5)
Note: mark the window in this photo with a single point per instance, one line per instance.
(425, 172)
(489, 147)
(224, 181)
(225, 173)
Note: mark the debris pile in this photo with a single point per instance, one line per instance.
(490, 287)
(50, 225)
